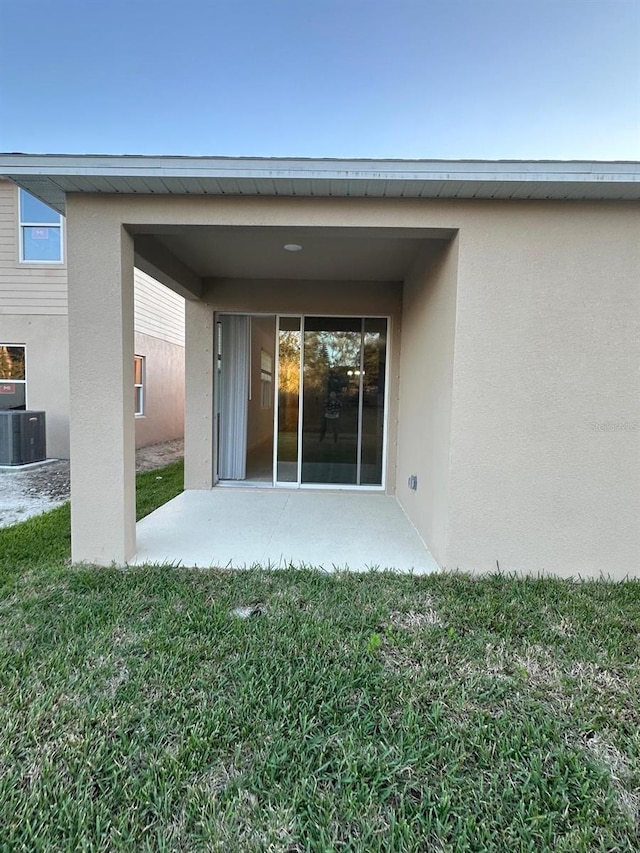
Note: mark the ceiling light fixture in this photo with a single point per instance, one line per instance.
(293, 247)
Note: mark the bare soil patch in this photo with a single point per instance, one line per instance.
(31, 491)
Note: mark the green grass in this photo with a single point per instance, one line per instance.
(359, 712)
(46, 539)
(155, 488)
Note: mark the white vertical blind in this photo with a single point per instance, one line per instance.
(234, 390)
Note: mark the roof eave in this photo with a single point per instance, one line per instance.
(52, 176)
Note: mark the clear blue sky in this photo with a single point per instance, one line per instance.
(532, 79)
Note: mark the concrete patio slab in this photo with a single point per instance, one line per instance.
(240, 528)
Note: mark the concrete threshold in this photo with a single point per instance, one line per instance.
(28, 466)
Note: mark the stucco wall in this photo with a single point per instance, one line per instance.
(545, 461)
(163, 390)
(47, 351)
(426, 381)
(199, 417)
(102, 424)
(544, 444)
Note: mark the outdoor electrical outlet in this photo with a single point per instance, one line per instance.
(413, 482)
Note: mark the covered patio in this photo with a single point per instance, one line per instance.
(277, 528)
(497, 300)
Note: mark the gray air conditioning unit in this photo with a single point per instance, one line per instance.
(22, 437)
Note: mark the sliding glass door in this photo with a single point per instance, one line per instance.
(331, 393)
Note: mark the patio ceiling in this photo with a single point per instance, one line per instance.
(327, 254)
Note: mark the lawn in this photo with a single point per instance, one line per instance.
(356, 712)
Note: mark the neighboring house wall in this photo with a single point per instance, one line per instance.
(158, 311)
(33, 314)
(163, 417)
(159, 334)
(46, 340)
(26, 288)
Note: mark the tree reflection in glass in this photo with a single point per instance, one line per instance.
(331, 399)
(343, 378)
(288, 399)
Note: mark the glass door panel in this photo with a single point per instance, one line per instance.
(288, 399)
(373, 388)
(331, 399)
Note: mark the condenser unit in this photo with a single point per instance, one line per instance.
(22, 437)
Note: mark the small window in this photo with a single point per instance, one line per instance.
(266, 380)
(40, 231)
(138, 382)
(13, 377)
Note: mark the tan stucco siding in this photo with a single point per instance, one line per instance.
(544, 447)
(426, 377)
(101, 348)
(545, 461)
(163, 390)
(199, 424)
(25, 288)
(47, 362)
(159, 312)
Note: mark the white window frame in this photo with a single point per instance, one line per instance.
(266, 380)
(24, 224)
(18, 381)
(140, 386)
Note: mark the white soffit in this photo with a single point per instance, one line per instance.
(51, 176)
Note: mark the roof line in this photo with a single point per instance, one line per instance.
(49, 165)
(50, 177)
(293, 158)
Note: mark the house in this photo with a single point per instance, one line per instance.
(34, 340)
(462, 335)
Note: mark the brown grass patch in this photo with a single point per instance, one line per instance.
(607, 755)
(216, 779)
(416, 619)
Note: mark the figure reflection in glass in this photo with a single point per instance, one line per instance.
(331, 416)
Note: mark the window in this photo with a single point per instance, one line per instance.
(266, 379)
(138, 382)
(12, 377)
(40, 231)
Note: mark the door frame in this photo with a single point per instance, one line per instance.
(298, 485)
(387, 366)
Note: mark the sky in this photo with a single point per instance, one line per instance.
(453, 79)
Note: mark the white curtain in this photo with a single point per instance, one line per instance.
(234, 396)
